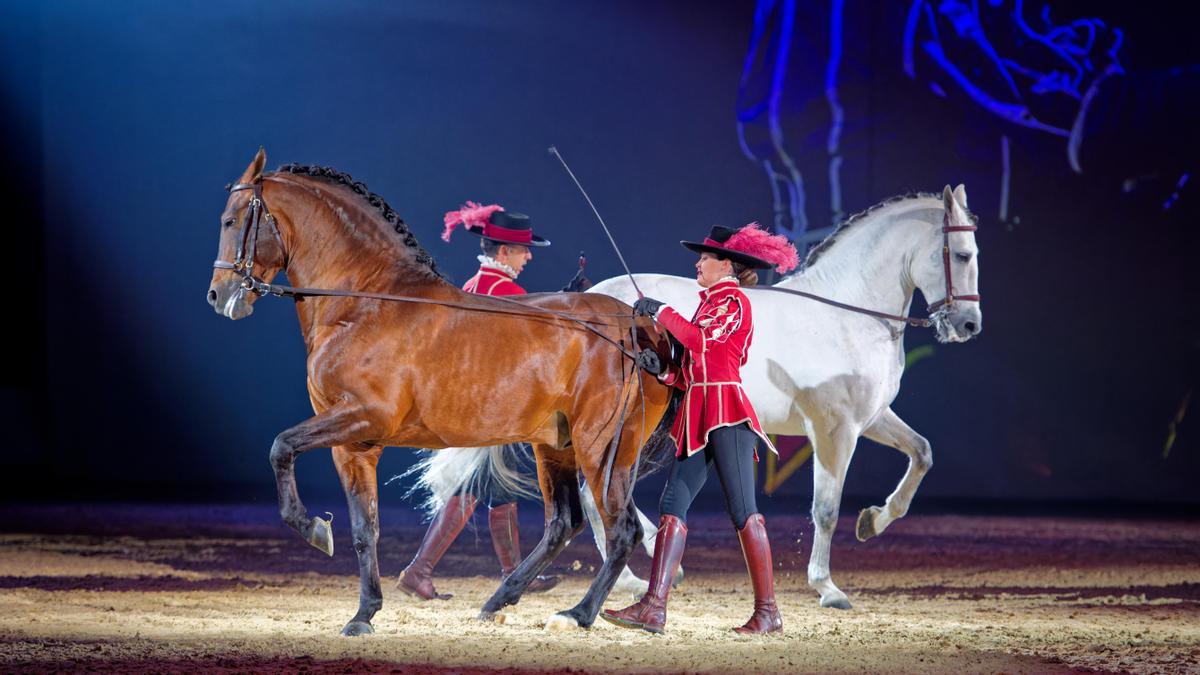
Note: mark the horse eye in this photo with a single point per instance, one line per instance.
(963, 257)
(228, 222)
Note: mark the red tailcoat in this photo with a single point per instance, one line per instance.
(717, 340)
(492, 281)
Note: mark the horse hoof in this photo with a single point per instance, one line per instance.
(865, 529)
(356, 628)
(497, 618)
(321, 536)
(836, 603)
(561, 622)
(677, 580)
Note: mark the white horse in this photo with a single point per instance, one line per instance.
(829, 373)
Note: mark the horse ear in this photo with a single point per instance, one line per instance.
(254, 171)
(948, 200)
(960, 193)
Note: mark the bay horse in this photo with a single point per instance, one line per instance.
(438, 368)
(830, 373)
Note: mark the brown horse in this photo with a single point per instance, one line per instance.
(444, 368)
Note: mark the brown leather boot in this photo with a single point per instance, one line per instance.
(757, 550)
(506, 539)
(416, 578)
(650, 613)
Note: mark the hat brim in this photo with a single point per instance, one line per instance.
(536, 241)
(735, 256)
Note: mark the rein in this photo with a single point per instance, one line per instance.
(243, 264)
(946, 302)
(258, 211)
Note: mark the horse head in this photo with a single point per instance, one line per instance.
(250, 246)
(946, 267)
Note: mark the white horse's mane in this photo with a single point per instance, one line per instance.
(828, 242)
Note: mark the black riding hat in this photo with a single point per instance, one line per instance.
(506, 227)
(714, 243)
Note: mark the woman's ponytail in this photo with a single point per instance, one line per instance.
(746, 276)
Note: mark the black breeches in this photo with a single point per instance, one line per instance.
(731, 449)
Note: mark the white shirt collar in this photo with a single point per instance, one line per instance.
(488, 261)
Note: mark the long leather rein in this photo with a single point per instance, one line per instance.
(947, 301)
(257, 212)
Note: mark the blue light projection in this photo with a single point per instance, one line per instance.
(1013, 62)
(784, 179)
(1039, 78)
(771, 46)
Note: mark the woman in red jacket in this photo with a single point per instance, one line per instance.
(716, 424)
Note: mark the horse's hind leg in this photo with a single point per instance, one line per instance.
(564, 520)
(833, 450)
(627, 581)
(357, 472)
(889, 429)
(619, 516)
(623, 533)
(336, 426)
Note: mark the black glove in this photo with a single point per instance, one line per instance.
(646, 307)
(648, 361)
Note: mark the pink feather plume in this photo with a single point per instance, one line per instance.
(472, 214)
(774, 248)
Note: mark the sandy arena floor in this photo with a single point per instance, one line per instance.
(143, 589)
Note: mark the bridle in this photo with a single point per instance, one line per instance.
(951, 298)
(243, 262)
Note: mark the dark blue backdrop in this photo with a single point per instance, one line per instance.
(122, 122)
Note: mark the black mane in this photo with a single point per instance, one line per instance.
(384, 209)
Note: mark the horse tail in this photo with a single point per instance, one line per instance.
(511, 471)
(660, 449)
(441, 474)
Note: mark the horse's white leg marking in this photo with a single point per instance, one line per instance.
(831, 458)
(649, 532)
(593, 517)
(890, 430)
(628, 582)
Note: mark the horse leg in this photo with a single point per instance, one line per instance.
(564, 519)
(623, 533)
(627, 582)
(619, 517)
(336, 426)
(832, 453)
(890, 430)
(357, 472)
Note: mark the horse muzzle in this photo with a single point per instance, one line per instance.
(231, 300)
(960, 324)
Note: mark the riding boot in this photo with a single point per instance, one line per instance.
(506, 539)
(416, 578)
(757, 550)
(650, 613)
